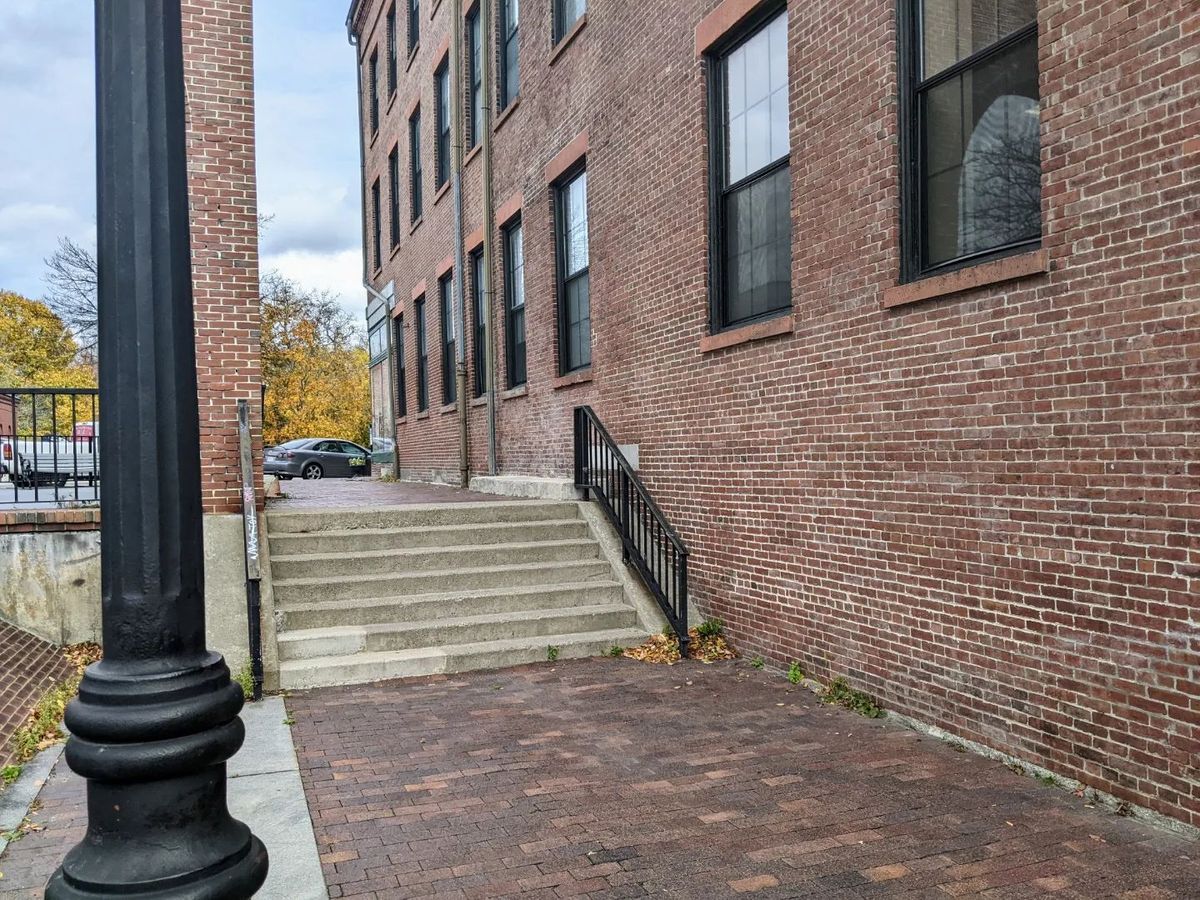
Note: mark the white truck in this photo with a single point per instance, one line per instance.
(48, 459)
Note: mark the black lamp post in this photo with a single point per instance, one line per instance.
(157, 719)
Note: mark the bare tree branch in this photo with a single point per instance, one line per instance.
(71, 291)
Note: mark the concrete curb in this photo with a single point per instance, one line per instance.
(18, 797)
(265, 792)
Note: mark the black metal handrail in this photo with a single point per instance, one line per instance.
(648, 542)
(49, 446)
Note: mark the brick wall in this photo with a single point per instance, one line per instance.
(981, 506)
(219, 72)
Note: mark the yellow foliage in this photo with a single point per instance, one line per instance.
(314, 367)
(37, 350)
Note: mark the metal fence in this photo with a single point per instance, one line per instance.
(49, 446)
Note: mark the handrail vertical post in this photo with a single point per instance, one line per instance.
(681, 610)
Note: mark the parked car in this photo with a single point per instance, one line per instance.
(313, 458)
(48, 460)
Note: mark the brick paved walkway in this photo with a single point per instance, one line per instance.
(29, 667)
(611, 778)
(342, 493)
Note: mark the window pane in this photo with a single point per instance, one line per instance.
(758, 247)
(954, 29)
(569, 13)
(982, 164)
(756, 91)
(517, 251)
(575, 213)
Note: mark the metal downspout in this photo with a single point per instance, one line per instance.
(489, 228)
(456, 46)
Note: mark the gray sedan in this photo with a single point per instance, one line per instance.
(313, 458)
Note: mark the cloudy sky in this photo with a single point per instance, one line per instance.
(307, 145)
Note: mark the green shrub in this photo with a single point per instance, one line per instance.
(710, 628)
(758, 662)
(795, 674)
(551, 653)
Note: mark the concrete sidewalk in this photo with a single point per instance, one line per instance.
(264, 791)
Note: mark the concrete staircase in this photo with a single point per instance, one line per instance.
(362, 595)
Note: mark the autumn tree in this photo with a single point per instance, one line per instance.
(37, 350)
(314, 366)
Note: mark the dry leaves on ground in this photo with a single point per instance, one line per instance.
(662, 648)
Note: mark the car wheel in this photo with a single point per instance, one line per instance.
(312, 472)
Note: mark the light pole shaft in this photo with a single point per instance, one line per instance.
(157, 719)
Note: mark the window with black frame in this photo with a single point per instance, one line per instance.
(392, 50)
(394, 194)
(574, 299)
(377, 225)
(441, 87)
(414, 25)
(566, 14)
(401, 369)
(373, 89)
(422, 355)
(510, 69)
(479, 346)
(971, 132)
(414, 164)
(474, 79)
(449, 371)
(514, 304)
(751, 253)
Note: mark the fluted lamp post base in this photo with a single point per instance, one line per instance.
(158, 824)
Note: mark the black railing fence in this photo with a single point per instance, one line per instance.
(49, 445)
(649, 543)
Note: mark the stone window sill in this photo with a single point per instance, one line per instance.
(757, 331)
(415, 225)
(471, 154)
(412, 55)
(514, 393)
(479, 401)
(424, 414)
(995, 272)
(506, 114)
(583, 376)
(441, 192)
(567, 39)
(448, 408)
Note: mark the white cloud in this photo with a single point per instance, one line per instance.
(339, 274)
(308, 165)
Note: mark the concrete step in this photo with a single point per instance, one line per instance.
(423, 559)
(475, 533)
(434, 607)
(297, 674)
(417, 516)
(407, 584)
(345, 640)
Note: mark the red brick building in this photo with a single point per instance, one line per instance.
(218, 37)
(902, 319)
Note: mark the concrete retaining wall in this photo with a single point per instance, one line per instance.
(50, 587)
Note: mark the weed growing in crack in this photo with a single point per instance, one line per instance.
(838, 692)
